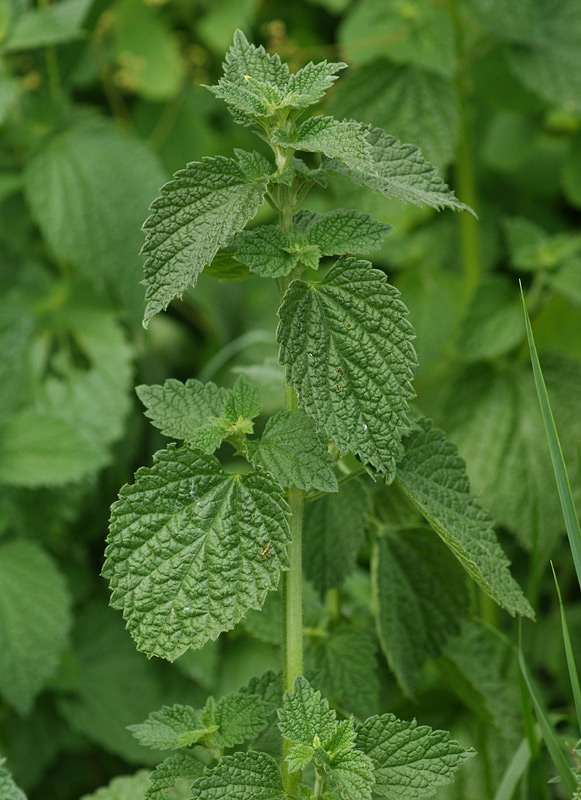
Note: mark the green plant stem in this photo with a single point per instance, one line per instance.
(465, 178)
(319, 785)
(52, 64)
(292, 581)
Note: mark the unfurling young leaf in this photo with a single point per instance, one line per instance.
(230, 721)
(203, 415)
(307, 721)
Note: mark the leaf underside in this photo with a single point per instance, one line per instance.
(434, 477)
(400, 171)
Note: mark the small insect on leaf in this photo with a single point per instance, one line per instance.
(343, 256)
(265, 550)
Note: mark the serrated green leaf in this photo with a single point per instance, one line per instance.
(196, 214)
(343, 740)
(230, 721)
(266, 250)
(38, 449)
(352, 773)
(88, 190)
(254, 82)
(180, 409)
(124, 787)
(400, 171)
(347, 348)
(291, 450)
(46, 26)
(421, 33)
(409, 761)
(208, 438)
(176, 772)
(184, 554)
(305, 715)
(35, 618)
(345, 665)
(343, 140)
(171, 728)
(268, 688)
(334, 529)
(239, 717)
(242, 402)
(339, 231)
(244, 58)
(434, 478)
(300, 756)
(240, 777)
(8, 789)
(421, 596)
(311, 82)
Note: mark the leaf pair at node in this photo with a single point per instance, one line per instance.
(383, 755)
(203, 415)
(272, 253)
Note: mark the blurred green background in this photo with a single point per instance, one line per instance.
(100, 102)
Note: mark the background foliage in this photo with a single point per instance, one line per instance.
(99, 103)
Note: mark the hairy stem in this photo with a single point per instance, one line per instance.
(292, 589)
(319, 785)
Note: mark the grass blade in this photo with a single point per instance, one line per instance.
(514, 772)
(555, 751)
(573, 674)
(559, 468)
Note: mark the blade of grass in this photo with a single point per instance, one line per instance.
(514, 772)
(559, 468)
(557, 755)
(573, 674)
